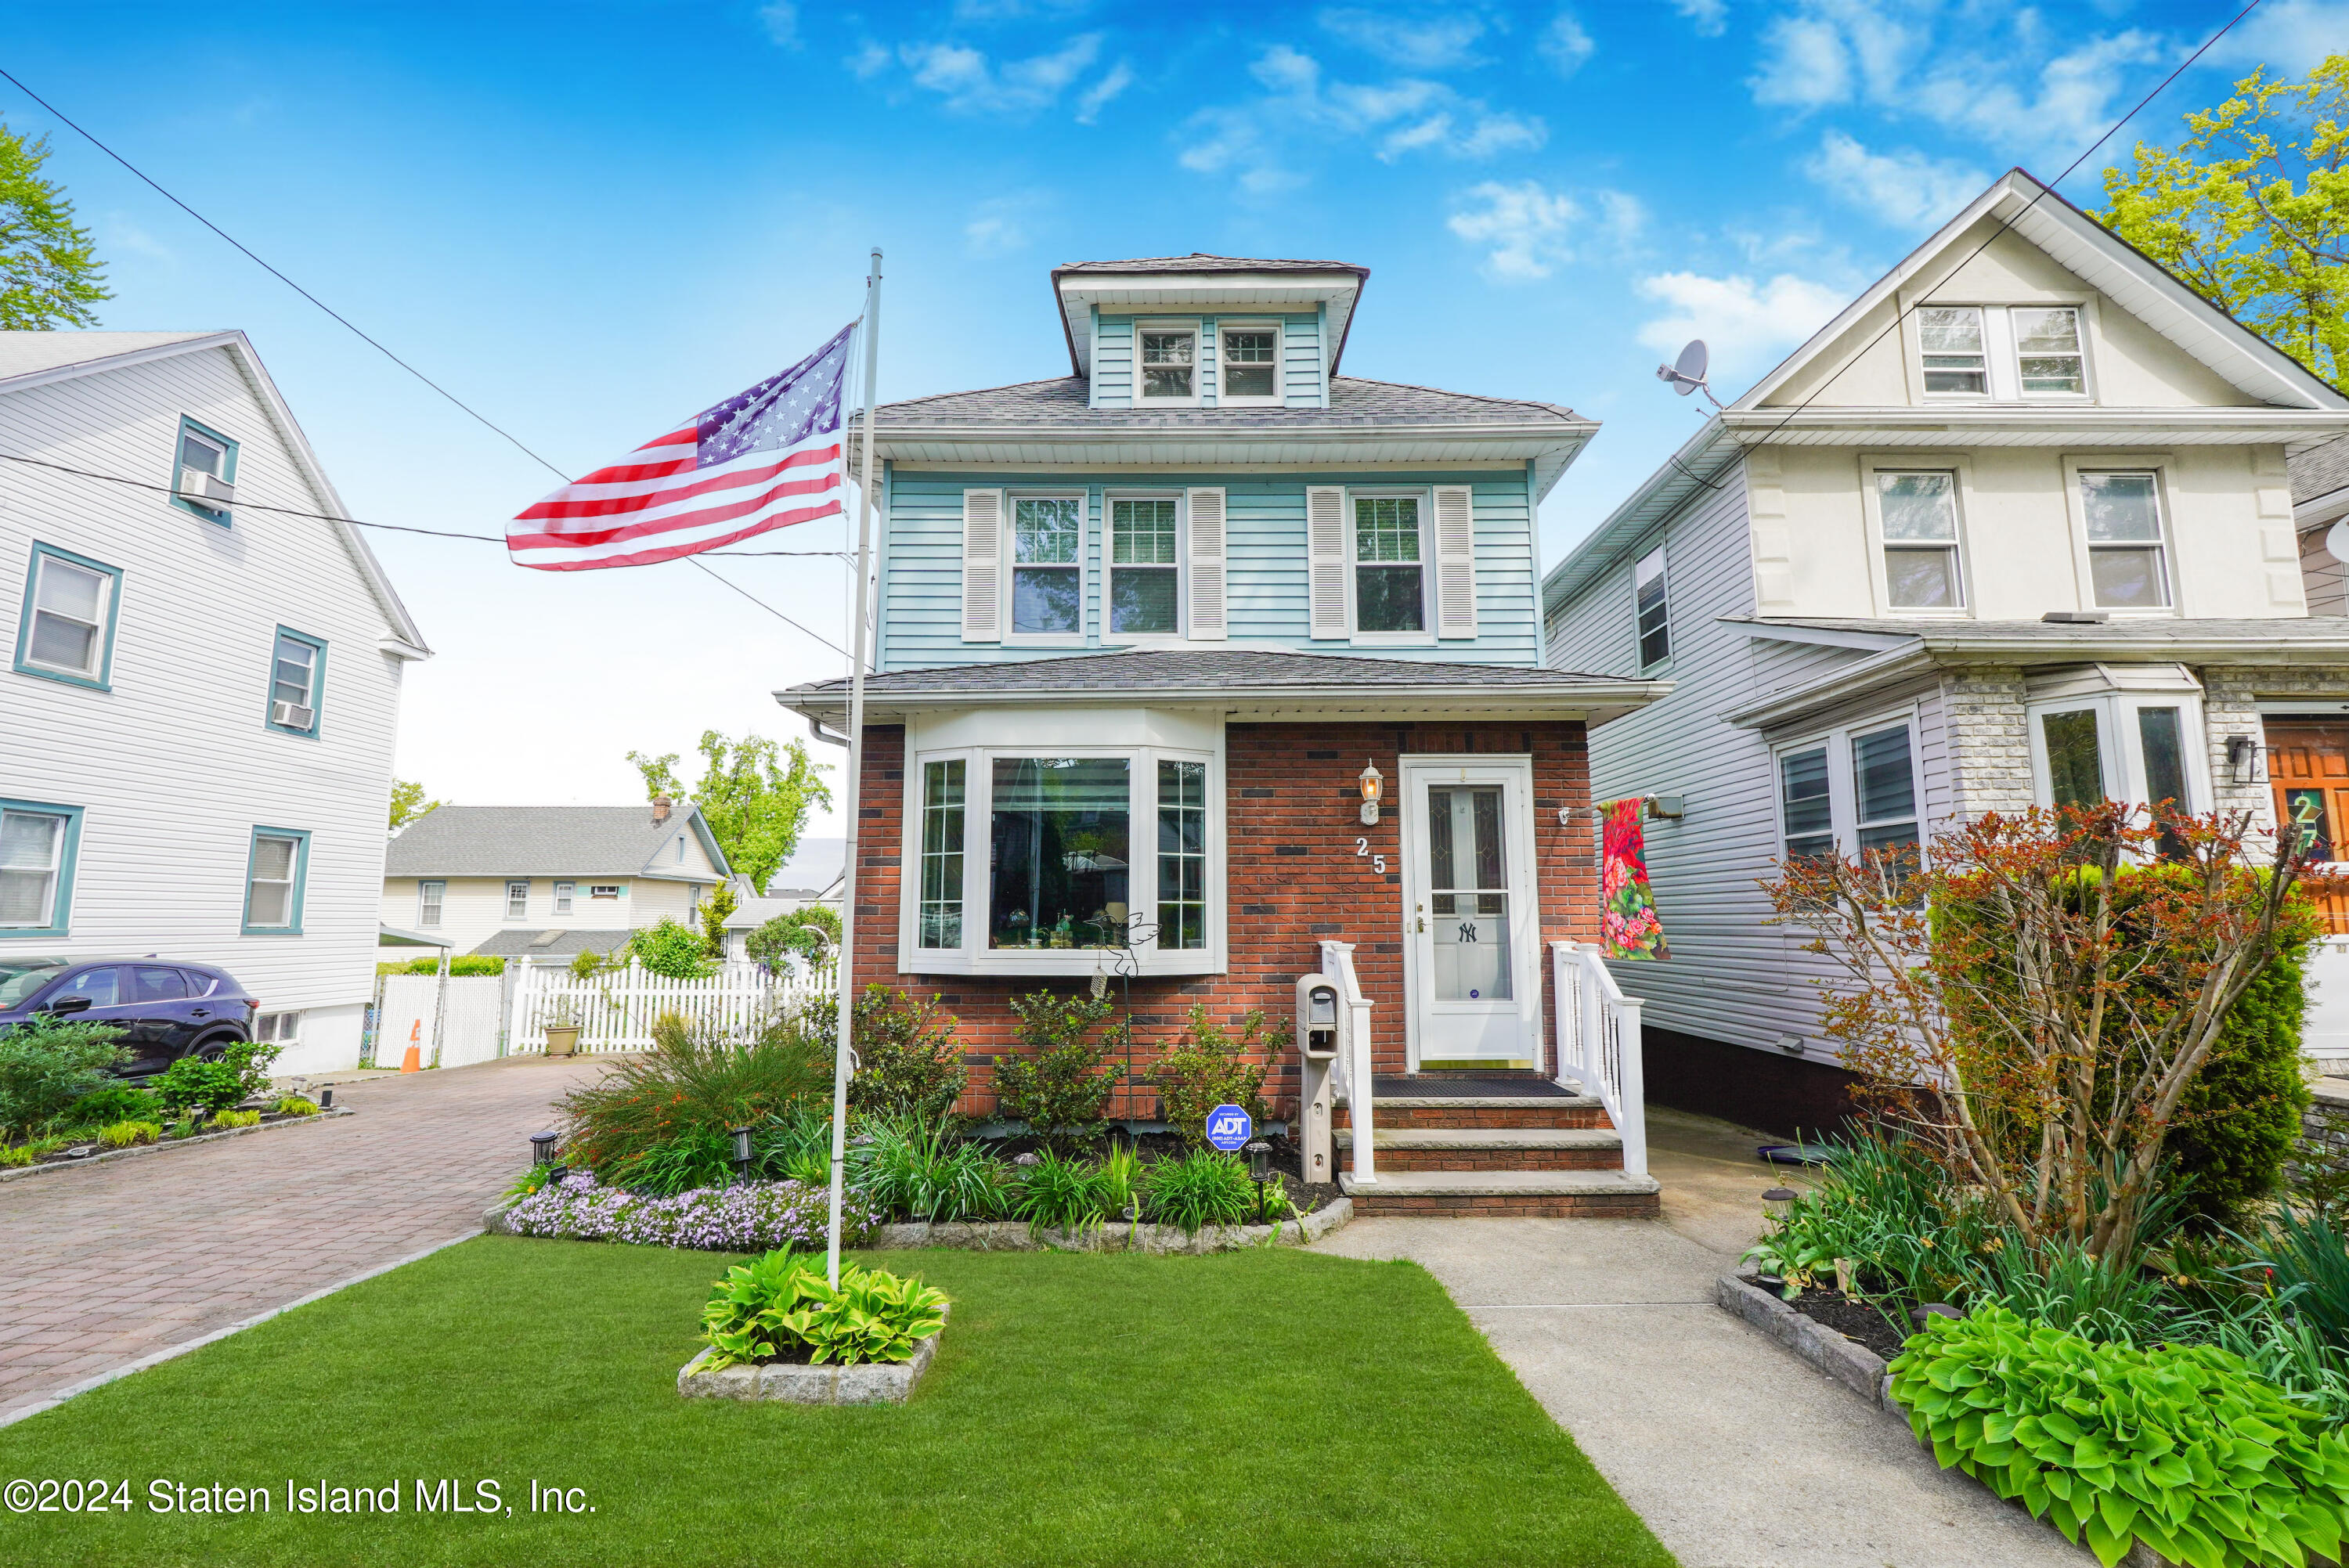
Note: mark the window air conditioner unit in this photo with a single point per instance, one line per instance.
(290, 715)
(206, 489)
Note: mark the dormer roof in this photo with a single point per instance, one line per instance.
(1202, 282)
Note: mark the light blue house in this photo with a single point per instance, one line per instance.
(1150, 635)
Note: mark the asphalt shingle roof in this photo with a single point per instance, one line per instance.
(532, 841)
(565, 945)
(1353, 401)
(2320, 469)
(23, 353)
(1191, 669)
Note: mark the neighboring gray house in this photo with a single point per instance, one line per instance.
(2015, 528)
(548, 882)
(812, 875)
(2320, 511)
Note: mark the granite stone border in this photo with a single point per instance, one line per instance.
(865, 1383)
(1019, 1236)
(23, 1172)
(1852, 1364)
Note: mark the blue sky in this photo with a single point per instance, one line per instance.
(589, 220)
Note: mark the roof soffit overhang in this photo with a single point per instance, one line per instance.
(1077, 293)
(1551, 446)
(1593, 703)
(2021, 424)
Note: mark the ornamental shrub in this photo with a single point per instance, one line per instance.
(694, 1080)
(124, 1134)
(781, 1308)
(674, 950)
(192, 1083)
(907, 1061)
(810, 932)
(1211, 1066)
(228, 1119)
(1061, 1082)
(46, 1063)
(2178, 1447)
(118, 1103)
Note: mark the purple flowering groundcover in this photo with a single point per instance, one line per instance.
(758, 1217)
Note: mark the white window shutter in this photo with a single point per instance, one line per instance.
(1208, 617)
(1455, 562)
(1325, 551)
(982, 566)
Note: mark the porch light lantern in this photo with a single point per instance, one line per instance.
(1373, 782)
(2243, 758)
(741, 1135)
(1259, 1155)
(541, 1148)
(326, 1100)
(1778, 1203)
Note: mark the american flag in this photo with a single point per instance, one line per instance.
(765, 458)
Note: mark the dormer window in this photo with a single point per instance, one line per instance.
(1169, 361)
(1250, 360)
(1952, 339)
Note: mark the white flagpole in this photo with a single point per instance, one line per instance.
(840, 1054)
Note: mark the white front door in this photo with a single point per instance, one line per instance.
(1472, 916)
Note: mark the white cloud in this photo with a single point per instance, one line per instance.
(2076, 101)
(1708, 17)
(1254, 141)
(1565, 44)
(1003, 225)
(971, 85)
(870, 61)
(1096, 98)
(120, 234)
(2288, 35)
(1805, 65)
(1527, 231)
(1906, 189)
(1747, 325)
(780, 18)
(1418, 44)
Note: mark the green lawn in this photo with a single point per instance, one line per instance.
(1248, 1409)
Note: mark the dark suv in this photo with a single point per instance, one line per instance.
(166, 1010)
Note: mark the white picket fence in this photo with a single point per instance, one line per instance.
(615, 1012)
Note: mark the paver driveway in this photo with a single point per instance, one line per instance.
(102, 1265)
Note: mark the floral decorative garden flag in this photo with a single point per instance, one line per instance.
(1627, 924)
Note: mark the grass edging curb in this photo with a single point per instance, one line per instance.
(24, 1171)
(1853, 1366)
(793, 1383)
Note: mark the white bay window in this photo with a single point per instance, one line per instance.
(1052, 857)
(2117, 732)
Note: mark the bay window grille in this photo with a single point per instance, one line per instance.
(1182, 855)
(942, 849)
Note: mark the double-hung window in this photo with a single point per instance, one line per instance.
(274, 871)
(297, 672)
(204, 475)
(2010, 353)
(38, 843)
(2128, 567)
(1852, 791)
(1884, 789)
(1956, 358)
(562, 895)
(2048, 359)
(517, 900)
(1048, 565)
(1918, 514)
(67, 631)
(1049, 859)
(1652, 608)
(1144, 567)
(1250, 358)
(430, 896)
(1167, 372)
(1805, 809)
(1390, 572)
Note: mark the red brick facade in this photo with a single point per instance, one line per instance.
(1293, 874)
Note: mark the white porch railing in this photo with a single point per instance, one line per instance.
(1598, 1044)
(1353, 1064)
(614, 1012)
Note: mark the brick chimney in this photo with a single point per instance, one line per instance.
(661, 804)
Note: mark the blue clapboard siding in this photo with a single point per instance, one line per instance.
(921, 578)
(1301, 380)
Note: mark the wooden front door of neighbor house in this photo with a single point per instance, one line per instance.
(2308, 767)
(1471, 915)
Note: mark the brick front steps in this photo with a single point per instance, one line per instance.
(1453, 1111)
(1491, 1148)
(1498, 1194)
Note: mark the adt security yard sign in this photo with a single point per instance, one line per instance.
(1228, 1128)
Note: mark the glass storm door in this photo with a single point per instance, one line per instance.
(1470, 913)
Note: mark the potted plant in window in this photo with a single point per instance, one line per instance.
(562, 1028)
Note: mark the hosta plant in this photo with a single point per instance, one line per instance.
(124, 1134)
(2181, 1446)
(780, 1307)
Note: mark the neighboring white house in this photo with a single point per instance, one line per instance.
(812, 875)
(200, 696)
(546, 881)
(2013, 528)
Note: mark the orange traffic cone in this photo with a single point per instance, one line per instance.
(413, 1062)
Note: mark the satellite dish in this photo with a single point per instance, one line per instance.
(1686, 374)
(2336, 540)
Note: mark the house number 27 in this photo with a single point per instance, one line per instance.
(1378, 862)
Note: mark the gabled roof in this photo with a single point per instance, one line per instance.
(1045, 422)
(546, 842)
(38, 359)
(1255, 681)
(1238, 282)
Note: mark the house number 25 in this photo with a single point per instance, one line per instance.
(1378, 862)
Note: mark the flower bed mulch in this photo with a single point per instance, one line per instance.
(1854, 1318)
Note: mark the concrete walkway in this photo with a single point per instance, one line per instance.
(109, 1262)
(1735, 1453)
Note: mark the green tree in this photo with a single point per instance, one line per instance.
(810, 931)
(49, 274)
(408, 803)
(2251, 211)
(720, 903)
(754, 794)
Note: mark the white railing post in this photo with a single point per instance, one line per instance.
(1631, 1121)
(1354, 1051)
(1604, 1024)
